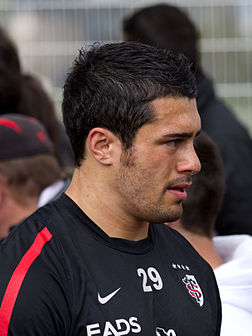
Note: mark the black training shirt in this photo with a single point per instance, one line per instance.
(61, 275)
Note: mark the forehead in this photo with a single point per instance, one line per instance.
(176, 114)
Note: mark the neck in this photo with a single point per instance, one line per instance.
(202, 244)
(96, 198)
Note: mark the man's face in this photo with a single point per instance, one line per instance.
(154, 174)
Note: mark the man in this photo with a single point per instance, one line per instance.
(29, 173)
(100, 268)
(230, 256)
(170, 28)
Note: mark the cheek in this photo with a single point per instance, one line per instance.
(154, 164)
(163, 165)
(155, 172)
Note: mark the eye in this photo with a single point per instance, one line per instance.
(173, 143)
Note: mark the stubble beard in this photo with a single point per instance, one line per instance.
(136, 187)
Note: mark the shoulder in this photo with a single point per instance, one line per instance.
(164, 232)
(37, 238)
(184, 262)
(179, 248)
(33, 278)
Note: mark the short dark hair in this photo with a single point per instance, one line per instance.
(111, 85)
(164, 26)
(205, 196)
(27, 177)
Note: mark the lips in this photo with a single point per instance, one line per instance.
(179, 191)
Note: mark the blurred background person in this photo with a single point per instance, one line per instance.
(30, 175)
(230, 256)
(170, 28)
(23, 94)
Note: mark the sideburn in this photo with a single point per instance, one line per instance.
(127, 158)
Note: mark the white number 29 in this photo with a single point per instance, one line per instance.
(153, 275)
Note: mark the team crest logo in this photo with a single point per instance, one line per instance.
(193, 288)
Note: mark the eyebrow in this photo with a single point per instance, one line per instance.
(181, 135)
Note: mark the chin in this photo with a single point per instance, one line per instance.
(171, 216)
(174, 213)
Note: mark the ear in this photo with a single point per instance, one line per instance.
(101, 144)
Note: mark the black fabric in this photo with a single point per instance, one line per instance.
(59, 295)
(235, 146)
(22, 136)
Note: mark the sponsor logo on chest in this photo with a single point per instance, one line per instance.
(120, 327)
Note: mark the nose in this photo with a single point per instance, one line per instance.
(190, 163)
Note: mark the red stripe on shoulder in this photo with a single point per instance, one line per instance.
(17, 279)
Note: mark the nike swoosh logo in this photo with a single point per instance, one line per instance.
(105, 299)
